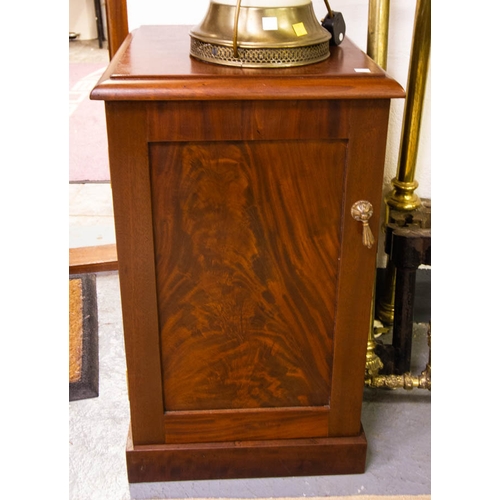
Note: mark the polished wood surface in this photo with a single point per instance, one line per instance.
(154, 63)
(246, 289)
(93, 259)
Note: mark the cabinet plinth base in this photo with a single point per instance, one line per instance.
(247, 459)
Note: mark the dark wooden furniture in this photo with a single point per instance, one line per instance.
(408, 246)
(246, 289)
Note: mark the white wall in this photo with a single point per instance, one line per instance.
(355, 12)
(82, 19)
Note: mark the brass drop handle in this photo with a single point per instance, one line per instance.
(362, 211)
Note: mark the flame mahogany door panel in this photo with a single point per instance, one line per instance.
(247, 252)
(246, 289)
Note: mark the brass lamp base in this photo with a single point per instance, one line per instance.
(260, 37)
(259, 58)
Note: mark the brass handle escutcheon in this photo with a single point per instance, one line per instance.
(362, 211)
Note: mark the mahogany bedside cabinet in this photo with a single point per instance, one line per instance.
(242, 201)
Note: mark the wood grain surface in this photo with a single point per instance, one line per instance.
(131, 190)
(153, 63)
(236, 425)
(247, 242)
(231, 460)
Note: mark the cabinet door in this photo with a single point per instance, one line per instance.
(247, 247)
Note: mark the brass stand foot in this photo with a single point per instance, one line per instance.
(406, 381)
(403, 196)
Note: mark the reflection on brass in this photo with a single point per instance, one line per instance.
(378, 31)
(236, 35)
(362, 211)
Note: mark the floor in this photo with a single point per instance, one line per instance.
(88, 51)
(397, 423)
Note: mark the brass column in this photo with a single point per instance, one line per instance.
(403, 196)
(376, 48)
(378, 31)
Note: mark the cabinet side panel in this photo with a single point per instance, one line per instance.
(365, 167)
(247, 247)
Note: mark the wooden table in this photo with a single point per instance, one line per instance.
(246, 289)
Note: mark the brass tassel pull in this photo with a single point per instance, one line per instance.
(362, 211)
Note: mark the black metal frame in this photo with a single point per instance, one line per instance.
(99, 20)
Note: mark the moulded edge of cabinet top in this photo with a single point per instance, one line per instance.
(154, 63)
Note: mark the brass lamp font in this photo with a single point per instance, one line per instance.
(260, 34)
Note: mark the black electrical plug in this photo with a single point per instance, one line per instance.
(336, 26)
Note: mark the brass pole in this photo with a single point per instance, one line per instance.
(378, 31)
(403, 196)
(376, 48)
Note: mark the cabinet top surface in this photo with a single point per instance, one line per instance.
(154, 63)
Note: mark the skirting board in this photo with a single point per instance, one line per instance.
(246, 459)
